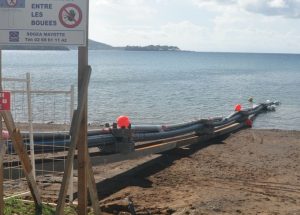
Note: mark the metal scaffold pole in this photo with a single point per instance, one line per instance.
(30, 121)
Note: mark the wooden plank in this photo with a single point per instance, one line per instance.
(2, 152)
(75, 128)
(140, 151)
(83, 58)
(228, 129)
(105, 159)
(17, 141)
(68, 167)
(92, 187)
(162, 146)
(82, 141)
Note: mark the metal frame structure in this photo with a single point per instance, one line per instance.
(29, 92)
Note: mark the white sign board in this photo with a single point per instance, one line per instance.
(43, 22)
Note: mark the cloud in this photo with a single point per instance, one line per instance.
(215, 2)
(285, 8)
(215, 5)
(129, 9)
(215, 25)
(184, 34)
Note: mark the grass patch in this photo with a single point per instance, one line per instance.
(17, 207)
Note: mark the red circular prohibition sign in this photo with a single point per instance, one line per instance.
(11, 3)
(68, 16)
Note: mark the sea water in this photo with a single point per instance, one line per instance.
(170, 87)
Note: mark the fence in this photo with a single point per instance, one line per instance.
(43, 112)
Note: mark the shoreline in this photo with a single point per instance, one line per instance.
(50, 126)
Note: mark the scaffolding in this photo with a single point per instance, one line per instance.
(44, 112)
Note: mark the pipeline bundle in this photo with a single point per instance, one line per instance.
(116, 139)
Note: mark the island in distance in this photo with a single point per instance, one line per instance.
(93, 45)
(151, 48)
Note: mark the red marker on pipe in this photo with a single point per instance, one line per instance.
(123, 122)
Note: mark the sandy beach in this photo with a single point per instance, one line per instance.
(250, 172)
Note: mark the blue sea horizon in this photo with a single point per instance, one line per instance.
(170, 87)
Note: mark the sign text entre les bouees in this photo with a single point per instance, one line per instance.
(40, 22)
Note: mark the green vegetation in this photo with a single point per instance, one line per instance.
(18, 207)
(151, 48)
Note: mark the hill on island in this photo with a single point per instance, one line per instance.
(152, 48)
(94, 45)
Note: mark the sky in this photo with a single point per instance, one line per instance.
(260, 26)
